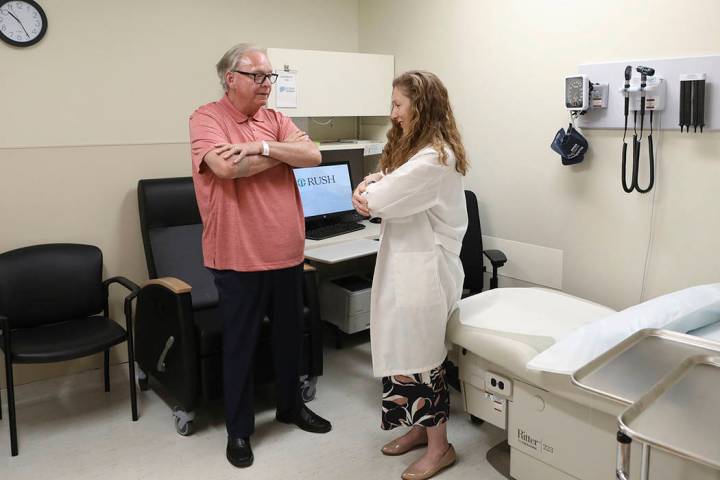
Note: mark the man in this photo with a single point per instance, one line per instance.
(253, 237)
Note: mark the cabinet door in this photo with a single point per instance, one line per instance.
(336, 84)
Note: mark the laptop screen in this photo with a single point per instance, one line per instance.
(325, 189)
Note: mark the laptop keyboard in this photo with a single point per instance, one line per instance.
(332, 230)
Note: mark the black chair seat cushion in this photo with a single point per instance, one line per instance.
(65, 340)
(209, 329)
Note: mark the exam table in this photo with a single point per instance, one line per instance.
(556, 430)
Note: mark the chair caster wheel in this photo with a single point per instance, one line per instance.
(184, 422)
(476, 420)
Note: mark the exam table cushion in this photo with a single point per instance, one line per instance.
(510, 326)
(682, 311)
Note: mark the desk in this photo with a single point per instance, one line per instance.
(349, 255)
(344, 247)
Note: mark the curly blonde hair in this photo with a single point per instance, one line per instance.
(431, 123)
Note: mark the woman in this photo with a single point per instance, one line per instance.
(418, 279)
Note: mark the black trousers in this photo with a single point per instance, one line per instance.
(245, 299)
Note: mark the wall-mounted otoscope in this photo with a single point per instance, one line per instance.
(644, 94)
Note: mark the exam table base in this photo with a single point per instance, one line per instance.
(553, 438)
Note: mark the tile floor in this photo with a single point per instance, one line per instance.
(69, 428)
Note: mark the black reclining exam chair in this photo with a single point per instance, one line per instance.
(178, 332)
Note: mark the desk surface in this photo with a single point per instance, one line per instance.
(344, 247)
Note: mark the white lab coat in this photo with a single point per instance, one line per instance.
(418, 275)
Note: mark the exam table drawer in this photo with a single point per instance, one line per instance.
(571, 437)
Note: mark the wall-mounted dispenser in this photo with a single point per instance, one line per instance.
(692, 101)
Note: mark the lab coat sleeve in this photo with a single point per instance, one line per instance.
(412, 188)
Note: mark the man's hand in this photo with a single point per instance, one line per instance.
(297, 136)
(237, 151)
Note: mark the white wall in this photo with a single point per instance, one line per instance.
(503, 63)
(103, 101)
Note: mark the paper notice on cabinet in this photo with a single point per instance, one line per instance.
(287, 90)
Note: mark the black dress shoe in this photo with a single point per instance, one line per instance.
(239, 452)
(307, 420)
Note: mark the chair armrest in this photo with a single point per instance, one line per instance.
(497, 259)
(127, 305)
(173, 284)
(166, 343)
(129, 284)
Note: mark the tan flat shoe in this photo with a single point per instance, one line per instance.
(395, 447)
(446, 460)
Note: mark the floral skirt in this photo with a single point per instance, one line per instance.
(419, 399)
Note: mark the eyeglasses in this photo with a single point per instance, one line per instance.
(260, 78)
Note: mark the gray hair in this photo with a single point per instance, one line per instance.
(231, 58)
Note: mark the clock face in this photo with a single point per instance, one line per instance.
(22, 22)
(574, 92)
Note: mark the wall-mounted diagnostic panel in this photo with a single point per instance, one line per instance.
(678, 90)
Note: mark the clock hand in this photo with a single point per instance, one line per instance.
(18, 20)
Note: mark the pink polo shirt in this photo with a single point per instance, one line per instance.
(252, 223)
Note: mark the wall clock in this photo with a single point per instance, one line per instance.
(22, 22)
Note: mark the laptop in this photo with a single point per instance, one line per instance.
(326, 194)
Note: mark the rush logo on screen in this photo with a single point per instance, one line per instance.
(319, 180)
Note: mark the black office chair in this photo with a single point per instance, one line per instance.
(178, 330)
(471, 254)
(50, 298)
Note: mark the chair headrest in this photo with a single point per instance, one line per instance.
(167, 202)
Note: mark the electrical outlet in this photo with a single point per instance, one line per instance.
(498, 384)
(373, 148)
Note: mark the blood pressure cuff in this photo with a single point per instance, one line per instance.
(570, 145)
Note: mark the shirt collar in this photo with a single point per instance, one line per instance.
(237, 115)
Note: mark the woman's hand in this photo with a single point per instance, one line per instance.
(359, 200)
(373, 177)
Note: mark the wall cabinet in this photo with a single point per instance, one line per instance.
(334, 84)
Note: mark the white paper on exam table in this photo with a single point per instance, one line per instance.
(528, 311)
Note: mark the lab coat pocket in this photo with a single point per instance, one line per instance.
(416, 279)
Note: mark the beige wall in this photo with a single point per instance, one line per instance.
(503, 63)
(103, 101)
